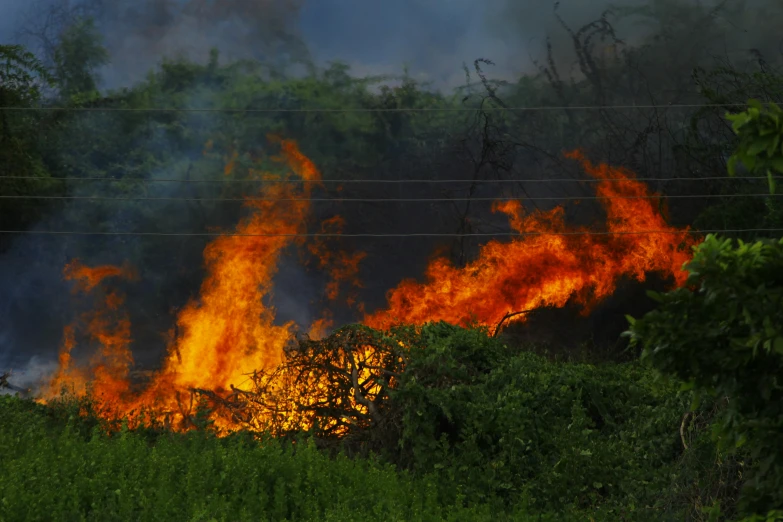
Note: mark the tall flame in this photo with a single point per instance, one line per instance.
(229, 331)
(107, 326)
(549, 263)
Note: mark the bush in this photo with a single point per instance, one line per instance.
(723, 336)
(499, 424)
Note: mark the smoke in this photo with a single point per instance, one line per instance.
(432, 37)
(38, 303)
(33, 376)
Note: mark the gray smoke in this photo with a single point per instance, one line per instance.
(432, 37)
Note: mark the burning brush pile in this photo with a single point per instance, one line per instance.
(227, 353)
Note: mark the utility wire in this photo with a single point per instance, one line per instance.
(434, 234)
(365, 109)
(264, 181)
(394, 200)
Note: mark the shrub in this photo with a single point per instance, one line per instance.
(722, 335)
(499, 424)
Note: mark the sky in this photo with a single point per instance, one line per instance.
(432, 37)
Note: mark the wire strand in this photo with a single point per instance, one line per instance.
(425, 234)
(391, 200)
(263, 181)
(389, 109)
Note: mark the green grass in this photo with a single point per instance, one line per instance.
(487, 433)
(52, 470)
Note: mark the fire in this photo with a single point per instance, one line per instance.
(108, 326)
(550, 265)
(228, 332)
(228, 335)
(343, 269)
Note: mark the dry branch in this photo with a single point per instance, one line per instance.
(509, 315)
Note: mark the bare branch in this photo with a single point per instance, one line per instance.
(509, 315)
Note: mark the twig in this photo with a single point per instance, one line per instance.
(509, 315)
(378, 368)
(682, 429)
(358, 395)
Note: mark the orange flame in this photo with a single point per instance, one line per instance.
(229, 331)
(108, 326)
(342, 267)
(547, 267)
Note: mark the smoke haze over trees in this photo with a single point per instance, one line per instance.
(277, 54)
(419, 230)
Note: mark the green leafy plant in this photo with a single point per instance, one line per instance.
(722, 335)
(760, 147)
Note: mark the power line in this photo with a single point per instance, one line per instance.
(365, 109)
(264, 181)
(391, 200)
(434, 234)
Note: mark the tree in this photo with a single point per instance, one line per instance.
(23, 169)
(77, 58)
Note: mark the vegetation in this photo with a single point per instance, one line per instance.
(194, 477)
(721, 336)
(486, 433)
(463, 425)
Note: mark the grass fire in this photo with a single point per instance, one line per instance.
(252, 270)
(229, 351)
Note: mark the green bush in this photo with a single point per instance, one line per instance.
(723, 336)
(485, 432)
(500, 424)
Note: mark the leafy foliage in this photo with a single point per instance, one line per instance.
(76, 60)
(760, 147)
(195, 477)
(23, 152)
(499, 423)
(486, 433)
(495, 425)
(22, 76)
(723, 336)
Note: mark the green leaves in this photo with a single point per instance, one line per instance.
(78, 56)
(470, 404)
(730, 346)
(21, 76)
(760, 147)
(192, 477)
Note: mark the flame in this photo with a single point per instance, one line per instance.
(229, 333)
(108, 326)
(550, 266)
(343, 268)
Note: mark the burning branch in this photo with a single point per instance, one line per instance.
(509, 315)
(357, 394)
(336, 386)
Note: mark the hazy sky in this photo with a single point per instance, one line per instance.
(433, 37)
